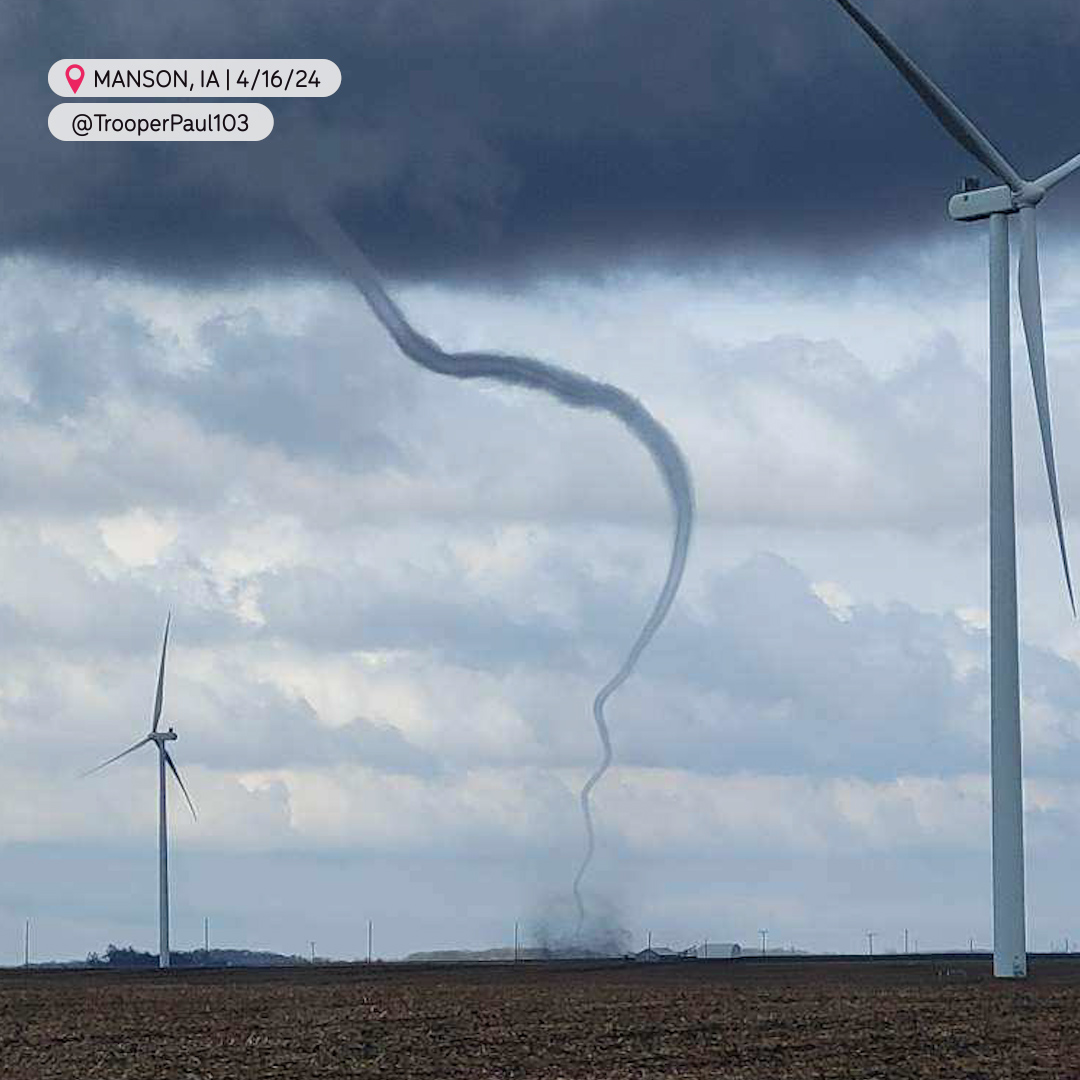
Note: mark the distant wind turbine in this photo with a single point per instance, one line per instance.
(1014, 196)
(159, 738)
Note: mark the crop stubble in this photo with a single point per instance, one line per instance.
(766, 1020)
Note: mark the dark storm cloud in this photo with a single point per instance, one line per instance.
(495, 134)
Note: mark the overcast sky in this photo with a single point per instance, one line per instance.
(394, 596)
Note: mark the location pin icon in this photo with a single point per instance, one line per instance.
(74, 75)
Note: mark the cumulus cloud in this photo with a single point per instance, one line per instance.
(393, 599)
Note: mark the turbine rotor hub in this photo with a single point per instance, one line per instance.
(1030, 195)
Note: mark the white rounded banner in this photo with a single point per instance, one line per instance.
(93, 121)
(194, 78)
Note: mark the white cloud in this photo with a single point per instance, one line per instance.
(137, 538)
(395, 596)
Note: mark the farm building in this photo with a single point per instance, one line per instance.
(718, 950)
(659, 952)
(710, 950)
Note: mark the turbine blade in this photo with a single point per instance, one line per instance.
(129, 750)
(161, 676)
(1055, 176)
(935, 99)
(169, 761)
(1031, 311)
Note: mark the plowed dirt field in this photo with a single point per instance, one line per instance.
(767, 1020)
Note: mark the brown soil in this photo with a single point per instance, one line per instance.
(772, 1020)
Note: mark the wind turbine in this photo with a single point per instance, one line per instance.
(996, 204)
(159, 738)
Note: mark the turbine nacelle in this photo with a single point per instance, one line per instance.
(982, 202)
(979, 203)
(162, 736)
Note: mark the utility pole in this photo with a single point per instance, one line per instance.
(369, 941)
(764, 939)
(870, 935)
(905, 943)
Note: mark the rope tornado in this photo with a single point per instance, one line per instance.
(571, 388)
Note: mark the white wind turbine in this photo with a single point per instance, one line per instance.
(1015, 196)
(159, 738)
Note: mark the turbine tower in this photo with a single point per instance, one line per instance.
(159, 738)
(1015, 196)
